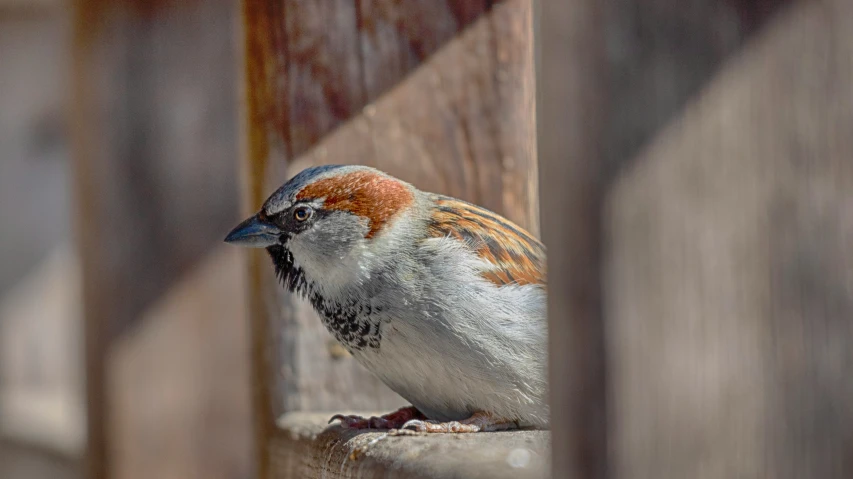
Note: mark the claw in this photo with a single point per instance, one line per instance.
(478, 422)
(442, 427)
(387, 421)
(415, 425)
(350, 421)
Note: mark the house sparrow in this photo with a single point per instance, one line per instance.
(443, 300)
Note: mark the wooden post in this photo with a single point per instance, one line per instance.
(327, 83)
(570, 94)
(154, 136)
(730, 340)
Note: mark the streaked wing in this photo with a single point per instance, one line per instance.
(516, 257)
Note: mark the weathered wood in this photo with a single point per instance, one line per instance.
(40, 375)
(571, 92)
(305, 447)
(461, 124)
(395, 39)
(34, 154)
(22, 461)
(41, 394)
(660, 54)
(180, 384)
(30, 8)
(729, 285)
(339, 55)
(154, 137)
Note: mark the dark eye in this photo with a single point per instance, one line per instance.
(302, 213)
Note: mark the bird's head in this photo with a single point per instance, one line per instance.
(325, 221)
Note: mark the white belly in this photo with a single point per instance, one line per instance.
(449, 377)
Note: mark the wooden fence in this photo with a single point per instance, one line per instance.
(695, 198)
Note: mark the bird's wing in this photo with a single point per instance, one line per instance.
(516, 257)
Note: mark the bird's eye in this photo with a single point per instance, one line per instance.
(302, 213)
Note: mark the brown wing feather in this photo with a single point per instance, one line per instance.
(516, 256)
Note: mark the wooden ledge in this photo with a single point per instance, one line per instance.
(305, 446)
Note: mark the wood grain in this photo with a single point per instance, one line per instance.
(339, 55)
(180, 385)
(729, 283)
(460, 125)
(154, 136)
(305, 447)
(571, 90)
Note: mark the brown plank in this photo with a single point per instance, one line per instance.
(461, 123)
(339, 55)
(154, 136)
(729, 298)
(660, 54)
(34, 184)
(396, 36)
(570, 114)
(305, 447)
(324, 86)
(180, 384)
(23, 460)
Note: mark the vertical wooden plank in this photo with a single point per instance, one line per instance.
(323, 68)
(340, 55)
(263, 121)
(570, 106)
(396, 36)
(729, 280)
(34, 154)
(660, 54)
(84, 145)
(154, 137)
(180, 384)
(154, 143)
(41, 389)
(460, 123)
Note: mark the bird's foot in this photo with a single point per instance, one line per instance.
(394, 420)
(478, 422)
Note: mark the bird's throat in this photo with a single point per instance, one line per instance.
(353, 322)
(291, 276)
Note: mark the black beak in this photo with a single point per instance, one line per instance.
(254, 233)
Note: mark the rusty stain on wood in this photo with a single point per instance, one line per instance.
(260, 115)
(474, 139)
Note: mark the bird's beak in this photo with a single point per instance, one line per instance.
(254, 233)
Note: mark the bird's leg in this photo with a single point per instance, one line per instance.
(478, 422)
(392, 420)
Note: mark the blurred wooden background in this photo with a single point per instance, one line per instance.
(119, 131)
(694, 167)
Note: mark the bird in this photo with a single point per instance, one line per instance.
(442, 300)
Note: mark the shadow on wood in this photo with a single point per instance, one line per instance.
(729, 284)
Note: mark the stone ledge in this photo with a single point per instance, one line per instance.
(305, 446)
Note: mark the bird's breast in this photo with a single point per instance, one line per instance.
(355, 324)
